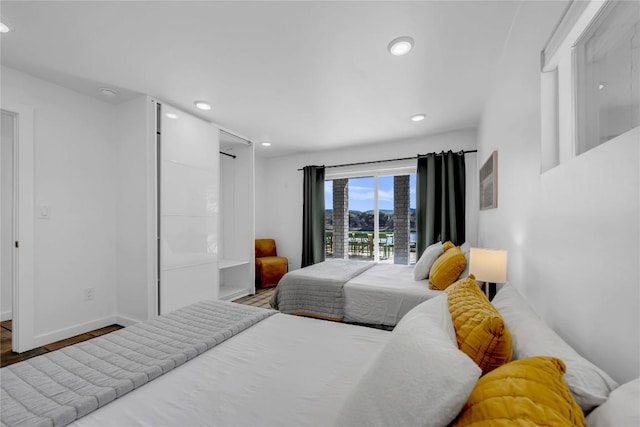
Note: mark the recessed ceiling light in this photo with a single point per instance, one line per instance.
(265, 144)
(601, 86)
(172, 116)
(400, 46)
(418, 117)
(202, 105)
(4, 28)
(109, 93)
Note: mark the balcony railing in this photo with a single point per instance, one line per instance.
(360, 245)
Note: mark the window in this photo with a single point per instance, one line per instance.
(590, 77)
(328, 219)
(607, 71)
(364, 214)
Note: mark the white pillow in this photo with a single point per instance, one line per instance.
(530, 336)
(419, 378)
(436, 309)
(466, 250)
(428, 257)
(620, 410)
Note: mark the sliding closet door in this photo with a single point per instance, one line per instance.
(188, 199)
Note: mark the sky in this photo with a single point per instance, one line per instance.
(361, 193)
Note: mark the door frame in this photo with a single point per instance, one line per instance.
(23, 289)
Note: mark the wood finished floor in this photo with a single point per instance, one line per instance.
(260, 299)
(8, 357)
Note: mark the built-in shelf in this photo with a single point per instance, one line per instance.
(236, 220)
(231, 294)
(228, 263)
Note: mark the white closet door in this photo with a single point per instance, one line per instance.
(189, 180)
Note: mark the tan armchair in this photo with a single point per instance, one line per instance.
(269, 266)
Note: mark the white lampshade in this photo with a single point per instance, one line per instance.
(488, 265)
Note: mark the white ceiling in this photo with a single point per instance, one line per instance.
(306, 75)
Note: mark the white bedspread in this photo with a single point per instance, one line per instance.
(284, 371)
(383, 294)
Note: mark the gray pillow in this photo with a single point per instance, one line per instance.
(429, 256)
(531, 336)
(620, 409)
(465, 248)
(419, 378)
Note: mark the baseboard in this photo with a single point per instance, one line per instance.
(6, 315)
(65, 333)
(235, 295)
(125, 321)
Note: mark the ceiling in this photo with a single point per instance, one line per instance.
(307, 76)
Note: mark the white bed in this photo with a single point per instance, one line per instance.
(352, 291)
(383, 294)
(284, 371)
(280, 370)
(295, 371)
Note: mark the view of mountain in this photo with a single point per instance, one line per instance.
(364, 220)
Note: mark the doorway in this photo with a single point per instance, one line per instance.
(7, 208)
(17, 211)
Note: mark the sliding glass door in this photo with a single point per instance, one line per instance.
(412, 219)
(328, 219)
(385, 218)
(371, 218)
(362, 212)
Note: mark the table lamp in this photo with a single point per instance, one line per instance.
(489, 266)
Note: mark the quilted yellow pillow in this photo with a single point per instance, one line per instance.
(446, 269)
(480, 331)
(448, 245)
(526, 392)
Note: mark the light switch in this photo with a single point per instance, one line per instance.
(44, 212)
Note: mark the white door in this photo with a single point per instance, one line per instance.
(6, 216)
(17, 235)
(189, 180)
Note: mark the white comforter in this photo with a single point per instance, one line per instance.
(383, 294)
(283, 371)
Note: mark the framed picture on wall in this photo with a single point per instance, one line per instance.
(489, 183)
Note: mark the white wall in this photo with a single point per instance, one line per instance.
(136, 293)
(75, 175)
(572, 233)
(279, 184)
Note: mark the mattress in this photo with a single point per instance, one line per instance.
(284, 371)
(59, 387)
(383, 294)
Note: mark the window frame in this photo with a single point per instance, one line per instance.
(375, 170)
(560, 126)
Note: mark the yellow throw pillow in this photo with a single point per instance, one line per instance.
(526, 392)
(448, 245)
(480, 331)
(446, 269)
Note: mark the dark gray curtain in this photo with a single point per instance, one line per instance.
(313, 216)
(440, 188)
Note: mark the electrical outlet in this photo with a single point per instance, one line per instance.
(44, 212)
(89, 294)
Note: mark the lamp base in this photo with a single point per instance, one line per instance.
(489, 290)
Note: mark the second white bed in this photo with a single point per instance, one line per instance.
(383, 294)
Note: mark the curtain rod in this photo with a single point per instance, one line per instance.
(227, 154)
(385, 161)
